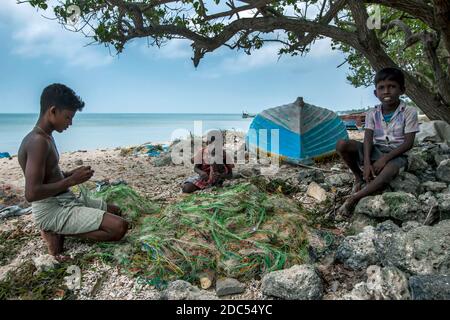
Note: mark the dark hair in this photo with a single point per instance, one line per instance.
(60, 96)
(392, 74)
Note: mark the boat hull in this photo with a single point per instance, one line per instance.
(296, 133)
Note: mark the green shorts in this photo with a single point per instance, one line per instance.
(68, 214)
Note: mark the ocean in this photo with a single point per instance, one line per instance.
(92, 131)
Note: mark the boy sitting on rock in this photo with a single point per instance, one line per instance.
(56, 210)
(390, 130)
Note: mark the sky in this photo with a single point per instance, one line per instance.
(35, 52)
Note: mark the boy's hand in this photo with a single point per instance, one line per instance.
(369, 173)
(379, 165)
(204, 175)
(81, 175)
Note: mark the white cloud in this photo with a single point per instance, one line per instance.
(174, 49)
(268, 55)
(35, 36)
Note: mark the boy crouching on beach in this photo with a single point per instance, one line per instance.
(211, 171)
(56, 210)
(390, 130)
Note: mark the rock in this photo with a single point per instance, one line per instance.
(339, 180)
(310, 175)
(300, 282)
(382, 284)
(358, 252)
(434, 186)
(416, 163)
(406, 182)
(443, 171)
(359, 292)
(430, 207)
(44, 262)
(410, 225)
(317, 192)
(438, 158)
(430, 287)
(444, 205)
(397, 205)
(229, 286)
(387, 283)
(422, 250)
(79, 162)
(360, 221)
(182, 290)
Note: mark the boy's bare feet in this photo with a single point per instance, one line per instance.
(357, 186)
(55, 242)
(346, 210)
(114, 210)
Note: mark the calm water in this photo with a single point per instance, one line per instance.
(93, 131)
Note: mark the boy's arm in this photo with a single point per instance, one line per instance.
(401, 149)
(368, 172)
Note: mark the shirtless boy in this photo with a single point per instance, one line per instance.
(56, 210)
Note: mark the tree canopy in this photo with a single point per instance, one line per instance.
(413, 35)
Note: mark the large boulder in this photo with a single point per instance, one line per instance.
(387, 283)
(418, 251)
(300, 282)
(443, 171)
(358, 252)
(397, 205)
(406, 182)
(430, 287)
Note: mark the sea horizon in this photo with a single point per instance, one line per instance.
(91, 131)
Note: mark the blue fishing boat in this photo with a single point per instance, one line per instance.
(305, 132)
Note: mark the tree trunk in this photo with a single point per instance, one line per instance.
(370, 47)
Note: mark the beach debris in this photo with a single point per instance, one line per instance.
(13, 211)
(164, 159)
(317, 192)
(102, 184)
(5, 155)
